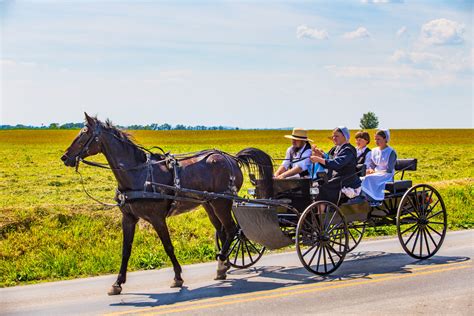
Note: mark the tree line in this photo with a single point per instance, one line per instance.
(152, 127)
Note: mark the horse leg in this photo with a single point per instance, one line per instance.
(159, 224)
(215, 222)
(128, 227)
(222, 210)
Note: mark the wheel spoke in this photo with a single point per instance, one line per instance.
(426, 242)
(243, 253)
(334, 250)
(314, 255)
(403, 232)
(436, 214)
(237, 253)
(352, 236)
(439, 223)
(233, 247)
(340, 244)
(330, 257)
(319, 259)
(431, 237)
(248, 251)
(336, 226)
(434, 230)
(412, 234)
(434, 205)
(421, 241)
(324, 258)
(330, 221)
(410, 198)
(310, 248)
(416, 240)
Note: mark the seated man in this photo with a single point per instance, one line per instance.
(341, 166)
(297, 156)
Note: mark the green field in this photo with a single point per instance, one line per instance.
(50, 230)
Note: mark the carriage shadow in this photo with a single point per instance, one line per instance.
(358, 265)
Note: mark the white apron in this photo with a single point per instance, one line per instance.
(374, 184)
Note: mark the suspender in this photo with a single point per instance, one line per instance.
(306, 147)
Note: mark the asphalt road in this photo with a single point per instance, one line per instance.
(376, 278)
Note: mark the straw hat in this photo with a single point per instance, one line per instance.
(299, 134)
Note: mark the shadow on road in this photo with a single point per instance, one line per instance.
(357, 265)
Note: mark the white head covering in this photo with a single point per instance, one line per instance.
(345, 132)
(387, 133)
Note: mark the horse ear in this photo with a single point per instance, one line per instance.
(90, 120)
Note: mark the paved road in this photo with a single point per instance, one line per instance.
(376, 278)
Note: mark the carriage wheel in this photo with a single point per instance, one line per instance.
(322, 238)
(355, 234)
(243, 253)
(421, 221)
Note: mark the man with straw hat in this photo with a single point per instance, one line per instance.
(297, 156)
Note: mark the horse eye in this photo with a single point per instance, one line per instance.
(85, 129)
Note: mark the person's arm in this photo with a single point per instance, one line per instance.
(369, 164)
(392, 159)
(293, 171)
(284, 165)
(279, 171)
(342, 159)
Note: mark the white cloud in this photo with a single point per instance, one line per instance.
(418, 58)
(400, 75)
(442, 32)
(14, 63)
(303, 31)
(361, 32)
(381, 1)
(457, 63)
(401, 31)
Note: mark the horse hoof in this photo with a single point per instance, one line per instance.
(177, 283)
(115, 290)
(220, 277)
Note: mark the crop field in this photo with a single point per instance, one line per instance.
(50, 230)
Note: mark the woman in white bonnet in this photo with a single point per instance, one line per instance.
(380, 163)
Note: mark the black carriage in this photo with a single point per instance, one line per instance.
(323, 233)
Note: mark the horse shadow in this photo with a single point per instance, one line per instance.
(357, 265)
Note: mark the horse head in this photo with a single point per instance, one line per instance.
(86, 144)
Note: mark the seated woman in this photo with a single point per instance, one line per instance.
(380, 165)
(341, 164)
(295, 164)
(362, 140)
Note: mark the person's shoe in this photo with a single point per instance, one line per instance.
(375, 203)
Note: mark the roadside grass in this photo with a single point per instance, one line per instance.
(50, 230)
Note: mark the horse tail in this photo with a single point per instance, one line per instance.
(260, 165)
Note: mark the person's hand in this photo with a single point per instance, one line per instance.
(317, 152)
(370, 171)
(314, 159)
(280, 177)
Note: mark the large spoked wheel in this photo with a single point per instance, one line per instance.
(322, 238)
(243, 253)
(421, 221)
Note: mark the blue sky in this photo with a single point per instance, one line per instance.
(262, 64)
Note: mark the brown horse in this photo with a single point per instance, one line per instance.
(135, 167)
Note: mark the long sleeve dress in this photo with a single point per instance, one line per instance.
(383, 163)
(342, 172)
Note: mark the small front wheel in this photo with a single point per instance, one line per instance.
(243, 253)
(322, 238)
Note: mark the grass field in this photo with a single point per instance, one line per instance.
(50, 230)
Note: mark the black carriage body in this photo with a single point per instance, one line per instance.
(411, 208)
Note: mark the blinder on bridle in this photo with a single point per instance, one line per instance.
(85, 149)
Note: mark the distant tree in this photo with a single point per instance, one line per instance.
(369, 121)
(54, 125)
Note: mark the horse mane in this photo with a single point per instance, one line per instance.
(127, 138)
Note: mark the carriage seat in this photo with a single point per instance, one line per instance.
(402, 185)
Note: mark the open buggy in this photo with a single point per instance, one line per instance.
(323, 233)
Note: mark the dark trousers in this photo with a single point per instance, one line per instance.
(330, 191)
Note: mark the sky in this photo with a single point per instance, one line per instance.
(249, 64)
